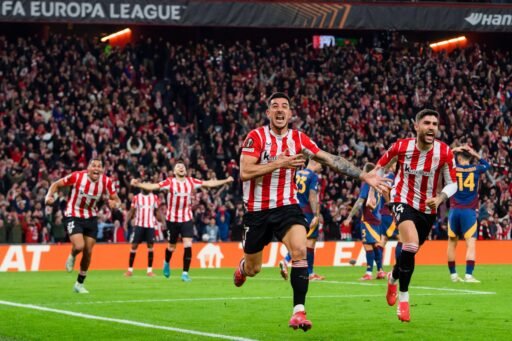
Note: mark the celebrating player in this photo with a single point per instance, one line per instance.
(462, 216)
(270, 155)
(145, 209)
(87, 188)
(179, 211)
(414, 200)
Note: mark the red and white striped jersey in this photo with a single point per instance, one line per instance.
(419, 171)
(278, 188)
(85, 194)
(145, 206)
(179, 198)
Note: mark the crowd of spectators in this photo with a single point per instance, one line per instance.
(67, 99)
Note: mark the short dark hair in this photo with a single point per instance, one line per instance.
(465, 155)
(278, 95)
(426, 112)
(180, 161)
(96, 158)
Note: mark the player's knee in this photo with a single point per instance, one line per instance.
(187, 244)
(252, 269)
(298, 253)
(79, 247)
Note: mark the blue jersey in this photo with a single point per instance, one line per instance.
(306, 180)
(467, 181)
(371, 216)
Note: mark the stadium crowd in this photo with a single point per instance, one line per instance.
(141, 108)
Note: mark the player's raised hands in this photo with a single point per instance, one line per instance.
(380, 183)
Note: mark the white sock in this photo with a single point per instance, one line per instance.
(403, 296)
(298, 307)
(150, 270)
(130, 269)
(185, 272)
(392, 280)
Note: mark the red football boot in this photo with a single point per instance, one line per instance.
(299, 320)
(239, 278)
(403, 312)
(392, 291)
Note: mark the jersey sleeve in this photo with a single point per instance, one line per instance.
(109, 186)
(390, 154)
(70, 179)
(365, 189)
(196, 183)
(157, 201)
(449, 169)
(308, 145)
(483, 166)
(134, 202)
(165, 185)
(252, 145)
(313, 182)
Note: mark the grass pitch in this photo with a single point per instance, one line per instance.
(42, 306)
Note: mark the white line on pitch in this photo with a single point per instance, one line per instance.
(252, 298)
(128, 322)
(478, 292)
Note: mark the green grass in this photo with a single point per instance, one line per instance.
(340, 307)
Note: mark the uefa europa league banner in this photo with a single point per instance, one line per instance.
(285, 14)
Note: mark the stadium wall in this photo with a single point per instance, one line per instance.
(265, 14)
(44, 257)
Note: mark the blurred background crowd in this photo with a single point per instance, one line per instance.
(141, 108)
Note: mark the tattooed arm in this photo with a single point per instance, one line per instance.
(338, 163)
(343, 166)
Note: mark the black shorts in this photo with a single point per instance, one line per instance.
(174, 230)
(422, 221)
(261, 226)
(87, 227)
(142, 234)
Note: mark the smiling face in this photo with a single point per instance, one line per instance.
(426, 130)
(279, 114)
(95, 169)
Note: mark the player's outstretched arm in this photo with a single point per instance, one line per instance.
(250, 168)
(54, 188)
(357, 206)
(217, 183)
(144, 185)
(343, 166)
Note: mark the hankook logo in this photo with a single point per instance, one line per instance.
(489, 19)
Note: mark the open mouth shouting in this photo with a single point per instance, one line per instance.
(430, 136)
(280, 118)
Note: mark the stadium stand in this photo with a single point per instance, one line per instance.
(141, 108)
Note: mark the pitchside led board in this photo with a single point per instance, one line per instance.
(52, 257)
